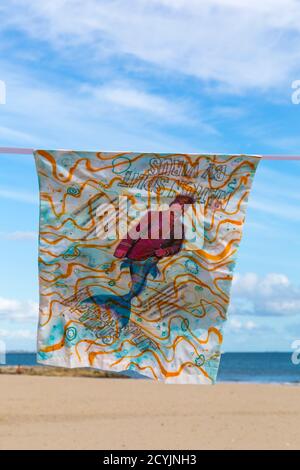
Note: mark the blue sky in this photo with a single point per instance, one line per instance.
(157, 75)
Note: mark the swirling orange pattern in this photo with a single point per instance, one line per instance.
(175, 328)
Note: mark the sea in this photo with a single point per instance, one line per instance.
(257, 367)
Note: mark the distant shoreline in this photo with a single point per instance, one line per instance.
(235, 367)
(48, 371)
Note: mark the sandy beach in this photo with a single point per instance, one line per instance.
(90, 413)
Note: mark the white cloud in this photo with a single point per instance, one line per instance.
(8, 133)
(234, 324)
(231, 112)
(19, 235)
(122, 97)
(2, 92)
(94, 115)
(236, 44)
(273, 294)
(129, 97)
(21, 196)
(11, 309)
(17, 334)
(276, 193)
(280, 209)
(18, 323)
(136, 99)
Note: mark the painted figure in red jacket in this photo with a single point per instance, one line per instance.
(158, 234)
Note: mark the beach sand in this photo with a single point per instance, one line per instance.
(91, 413)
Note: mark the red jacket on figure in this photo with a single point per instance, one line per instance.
(142, 246)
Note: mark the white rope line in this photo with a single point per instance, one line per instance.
(28, 151)
(16, 150)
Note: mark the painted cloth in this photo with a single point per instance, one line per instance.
(136, 258)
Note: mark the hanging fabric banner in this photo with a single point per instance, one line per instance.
(136, 258)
